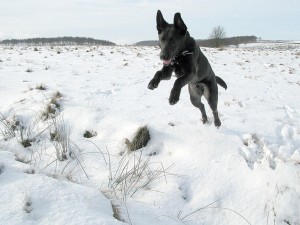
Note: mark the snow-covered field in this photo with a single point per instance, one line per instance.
(245, 172)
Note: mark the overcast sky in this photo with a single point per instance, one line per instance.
(129, 21)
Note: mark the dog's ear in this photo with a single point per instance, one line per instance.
(179, 24)
(160, 22)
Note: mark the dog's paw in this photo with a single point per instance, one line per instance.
(174, 97)
(217, 123)
(153, 84)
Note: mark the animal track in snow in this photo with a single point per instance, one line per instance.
(253, 150)
(290, 134)
(283, 147)
(108, 92)
(256, 150)
(234, 102)
(185, 190)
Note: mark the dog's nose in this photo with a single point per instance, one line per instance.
(164, 56)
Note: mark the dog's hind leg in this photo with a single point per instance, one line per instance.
(213, 103)
(196, 91)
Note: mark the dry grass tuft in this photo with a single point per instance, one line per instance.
(8, 127)
(53, 107)
(140, 140)
(41, 87)
(26, 143)
(135, 172)
(60, 138)
(89, 134)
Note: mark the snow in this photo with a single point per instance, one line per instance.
(245, 172)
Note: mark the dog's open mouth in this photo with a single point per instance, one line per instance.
(167, 62)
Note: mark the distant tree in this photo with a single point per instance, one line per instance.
(216, 36)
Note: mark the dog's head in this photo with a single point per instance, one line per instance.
(171, 36)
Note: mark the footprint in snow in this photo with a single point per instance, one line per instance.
(185, 191)
(256, 150)
(283, 146)
(107, 93)
(290, 134)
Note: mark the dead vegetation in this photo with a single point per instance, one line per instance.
(60, 138)
(53, 107)
(29, 70)
(89, 134)
(41, 87)
(8, 127)
(140, 139)
(135, 172)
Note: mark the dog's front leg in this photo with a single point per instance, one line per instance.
(164, 74)
(175, 92)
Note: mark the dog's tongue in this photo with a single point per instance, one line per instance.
(167, 62)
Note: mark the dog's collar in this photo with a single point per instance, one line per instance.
(184, 53)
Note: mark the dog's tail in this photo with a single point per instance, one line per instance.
(221, 82)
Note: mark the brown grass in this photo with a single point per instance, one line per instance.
(140, 140)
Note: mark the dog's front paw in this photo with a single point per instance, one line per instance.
(174, 97)
(153, 84)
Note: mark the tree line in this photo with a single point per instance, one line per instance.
(57, 41)
(227, 41)
(216, 39)
(211, 42)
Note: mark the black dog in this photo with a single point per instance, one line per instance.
(181, 55)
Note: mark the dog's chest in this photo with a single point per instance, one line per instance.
(181, 69)
(178, 71)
